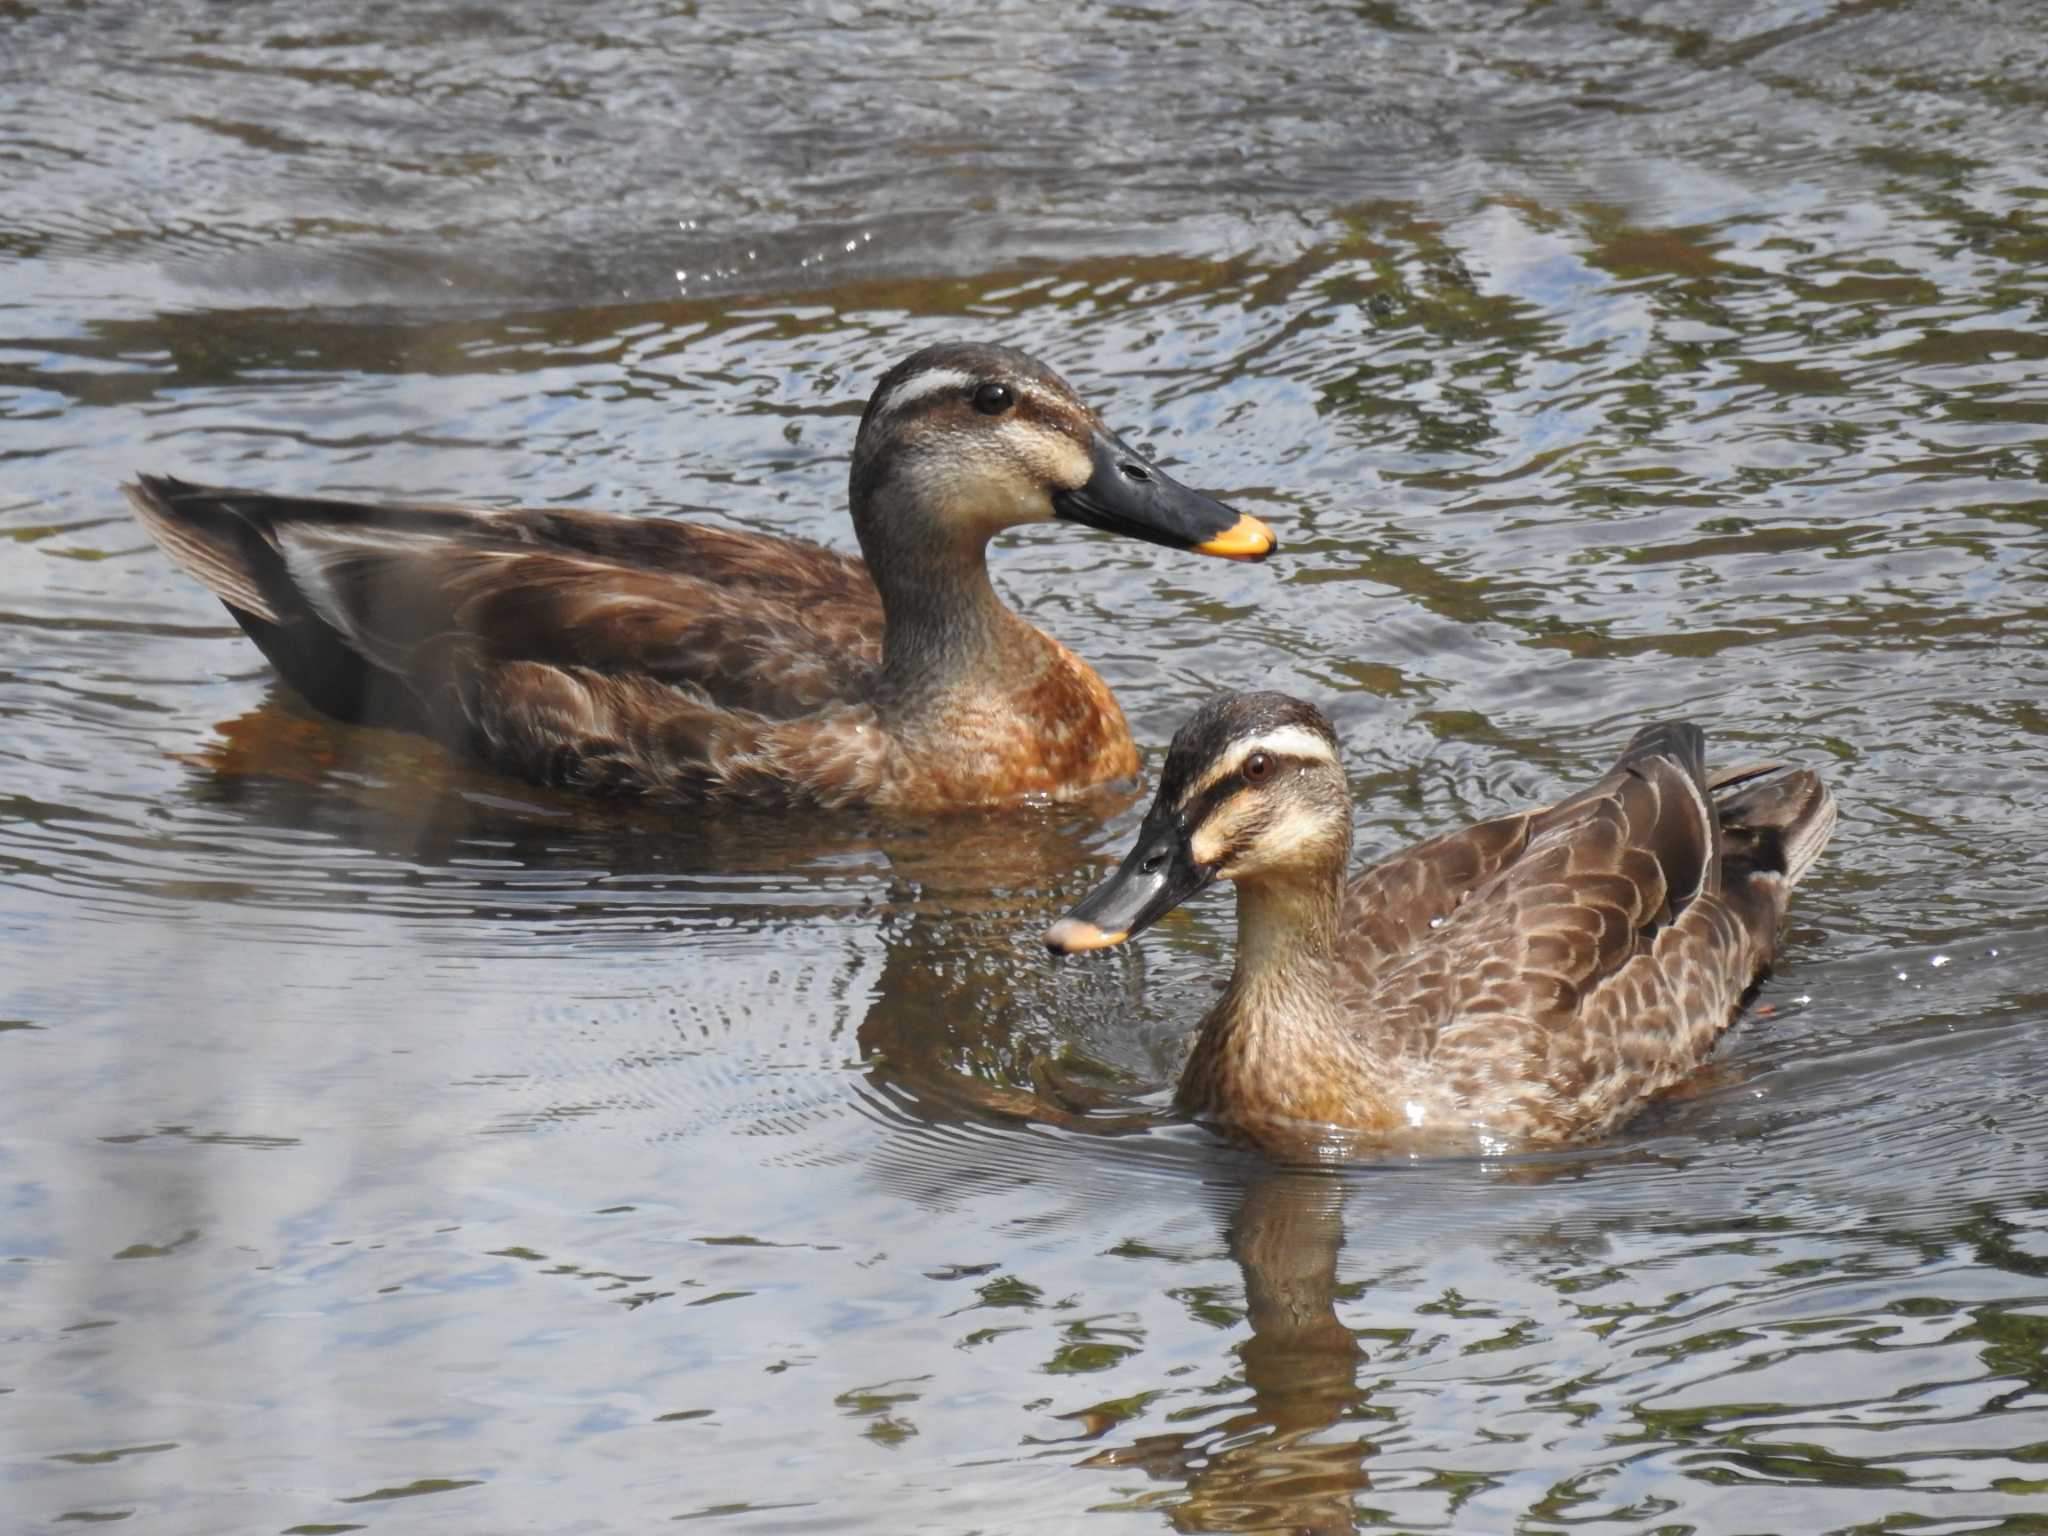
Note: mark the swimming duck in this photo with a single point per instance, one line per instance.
(639, 655)
(1531, 979)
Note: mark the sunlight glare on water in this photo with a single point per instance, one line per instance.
(393, 1147)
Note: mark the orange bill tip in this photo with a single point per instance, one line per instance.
(1072, 936)
(1245, 539)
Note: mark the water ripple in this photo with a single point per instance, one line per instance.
(1594, 365)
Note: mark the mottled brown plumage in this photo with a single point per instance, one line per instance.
(1531, 979)
(631, 655)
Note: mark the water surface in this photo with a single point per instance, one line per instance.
(391, 1147)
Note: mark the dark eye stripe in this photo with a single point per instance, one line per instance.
(1234, 784)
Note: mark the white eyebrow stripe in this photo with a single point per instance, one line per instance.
(929, 381)
(1296, 741)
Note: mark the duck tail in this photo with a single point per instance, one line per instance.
(229, 540)
(1776, 828)
(234, 555)
(1767, 824)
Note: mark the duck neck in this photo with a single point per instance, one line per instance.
(943, 626)
(1287, 941)
(1279, 1046)
(944, 630)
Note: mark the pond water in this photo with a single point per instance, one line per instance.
(390, 1147)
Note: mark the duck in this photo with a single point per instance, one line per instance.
(646, 656)
(1526, 981)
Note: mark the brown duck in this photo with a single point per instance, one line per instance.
(1531, 979)
(640, 655)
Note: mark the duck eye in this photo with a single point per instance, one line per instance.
(1258, 768)
(992, 399)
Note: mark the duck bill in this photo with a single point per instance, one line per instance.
(1129, 494)
(1155, 877)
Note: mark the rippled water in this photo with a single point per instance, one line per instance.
(390, 1147)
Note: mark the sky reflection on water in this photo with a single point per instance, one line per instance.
(391, 1147)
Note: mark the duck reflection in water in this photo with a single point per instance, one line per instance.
(1272, 1465)
(958, 1023)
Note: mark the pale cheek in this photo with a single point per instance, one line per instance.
(1298, 838)
(1060, 461)
(978, 489)
(1025, 502)
(1207, 845)
(997, 508)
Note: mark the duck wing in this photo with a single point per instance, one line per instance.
(1397, 904)
(1590, 952)
(408, 614)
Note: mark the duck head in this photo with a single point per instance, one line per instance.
(1252, 791)
(962, 440)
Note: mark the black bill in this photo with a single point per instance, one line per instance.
(1128, 494)
(1155, 877)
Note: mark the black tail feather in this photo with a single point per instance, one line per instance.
(231, 546)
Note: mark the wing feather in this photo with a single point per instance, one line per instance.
(437, 597)
(1484, 940)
